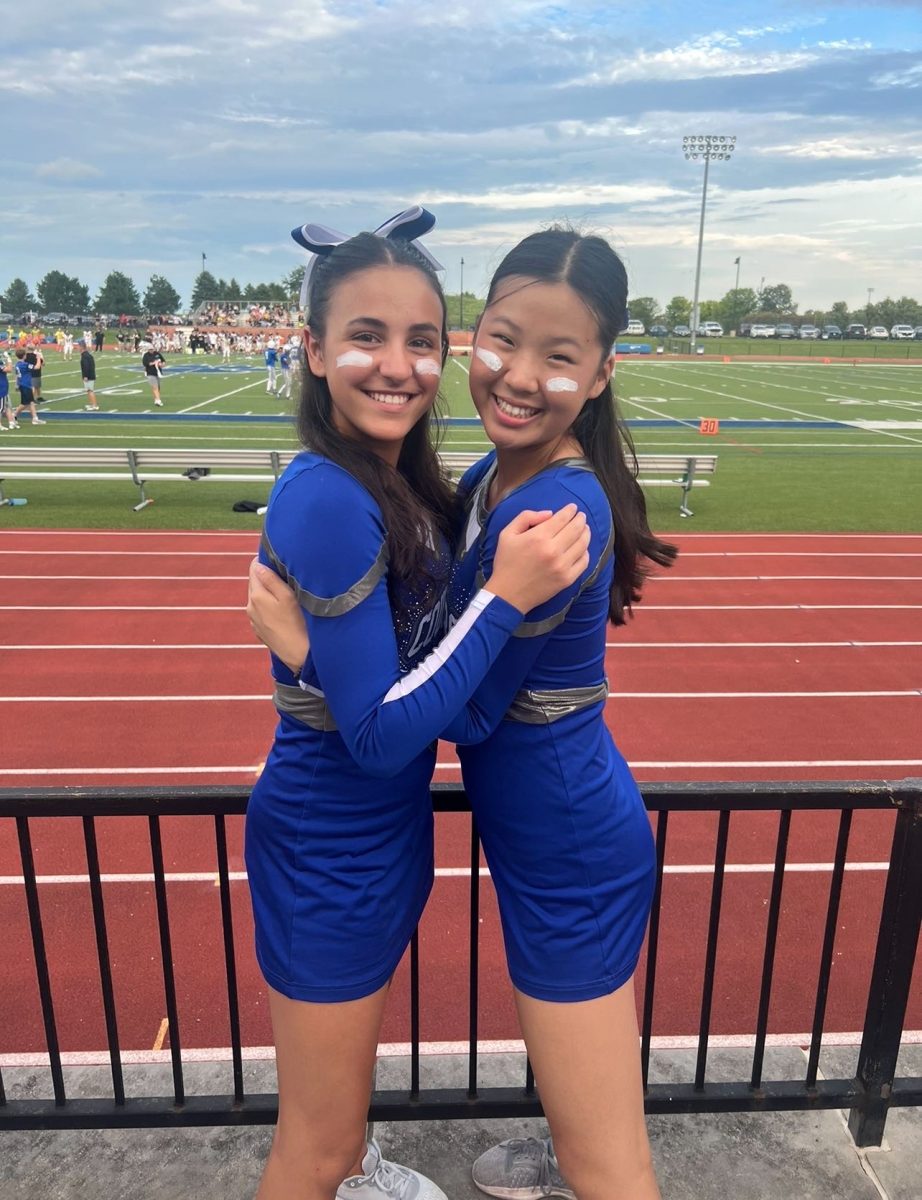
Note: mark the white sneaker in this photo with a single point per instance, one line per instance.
(38, 421)
(14, 424)
(385, 1180)
(91, 408)
(521, 1169)
(159, 403)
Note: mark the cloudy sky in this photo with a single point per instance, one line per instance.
(144, 135)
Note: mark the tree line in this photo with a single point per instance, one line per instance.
(59, 292)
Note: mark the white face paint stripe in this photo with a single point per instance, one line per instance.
(491, 361)
(427, 366)
(560, 383)
(354, 358)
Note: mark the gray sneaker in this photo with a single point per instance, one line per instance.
(385, 1180)
(521, 1169)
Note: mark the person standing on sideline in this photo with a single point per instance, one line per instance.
(88, 371)
(67, 347)
(271, 355)
(153, 362)
(5, 405)
(36, 361)
(24, 384)
(285, 368)
(98, 337)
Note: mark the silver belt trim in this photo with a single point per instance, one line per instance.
(306, 707)
(546, 707)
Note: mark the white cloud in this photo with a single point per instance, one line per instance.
(910, 78)
(67, 168)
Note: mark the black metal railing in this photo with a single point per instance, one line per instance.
(869, 1093)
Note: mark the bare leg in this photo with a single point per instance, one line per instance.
(325, 1056)
(586, 1058)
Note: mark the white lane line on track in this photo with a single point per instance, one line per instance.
(223, 396)
(222, 646)
(198, 698)
(637, 764)
(34, 577)
(791, 868)
(214, 646)
(145, 553)
(208, 608)
(717, 1041)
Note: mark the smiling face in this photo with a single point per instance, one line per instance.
(537, 359)
(380, 354)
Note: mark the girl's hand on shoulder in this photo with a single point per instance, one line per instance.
(539, 554)
(276, 617)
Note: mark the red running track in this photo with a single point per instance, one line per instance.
(129, 661)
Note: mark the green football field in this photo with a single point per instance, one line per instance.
(801, 446)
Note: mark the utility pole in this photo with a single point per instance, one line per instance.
(706, 146)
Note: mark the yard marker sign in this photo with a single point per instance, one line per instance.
(709, 426)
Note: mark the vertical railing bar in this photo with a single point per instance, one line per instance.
(2, 1092)
(707, 992)
(230, 962)
(829, 939)
(166, 957)
(474, 952)
(646, 1035)
(892, 974)
(41, 959)
(529, 1078)
(771, 942)
(102, 954)
(414, 1015)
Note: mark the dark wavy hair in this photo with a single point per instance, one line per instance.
(595, 272)
(417, 493)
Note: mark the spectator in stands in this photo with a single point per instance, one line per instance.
(88, 371)
(153, 363)
(24, 384)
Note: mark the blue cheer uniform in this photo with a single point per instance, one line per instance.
(563, 825)
(339, 840)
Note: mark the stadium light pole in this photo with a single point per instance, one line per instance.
(461, 297)
(705, 146)
(867, 318)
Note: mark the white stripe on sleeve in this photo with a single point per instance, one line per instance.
(443, 651)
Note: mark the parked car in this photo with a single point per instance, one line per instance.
(902, 333)
(832, 333)
(7, 319)
(711, 329)
(878, 333)
(856, 333)
(29, 318)
(635, 328)
(784, 330)
(659, 331)
(808, 332)
(682, 331)
(917, 332)
(762, 331)
(56, 318)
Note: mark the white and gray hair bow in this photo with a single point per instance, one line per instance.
(406, 226)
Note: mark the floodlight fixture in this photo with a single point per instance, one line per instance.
(707, 147)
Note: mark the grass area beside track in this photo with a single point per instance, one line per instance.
(801, 446)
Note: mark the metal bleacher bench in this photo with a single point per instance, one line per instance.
(145, 467)
(654, 470)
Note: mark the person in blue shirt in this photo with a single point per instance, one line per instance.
(339, 832)
(563, 825)
(6, 408)
(271, 357)
(24, 384)
(285, 369)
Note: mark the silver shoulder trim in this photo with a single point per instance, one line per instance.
(332, 606)
(310, 708)
(545, 707)
(539, 628)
